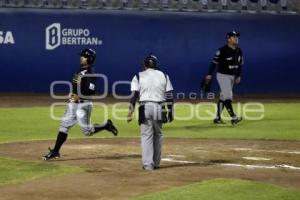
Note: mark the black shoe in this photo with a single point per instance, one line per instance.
(51, 155)
(156, 167)
(110, 127)
(219, 121)
(236, 120)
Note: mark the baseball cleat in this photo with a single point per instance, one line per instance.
(219, 121)
(236, 120)
(111, 127)
(51, 155)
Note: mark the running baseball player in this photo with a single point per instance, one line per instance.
(153, 89)
(79, 107)
(229, 60)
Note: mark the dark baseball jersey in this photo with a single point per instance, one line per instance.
(228, 60)
(87, 84)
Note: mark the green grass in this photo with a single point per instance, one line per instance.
(281, 122)
(15, 171)
(226, 189)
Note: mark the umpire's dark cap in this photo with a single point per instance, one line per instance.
(232, 33)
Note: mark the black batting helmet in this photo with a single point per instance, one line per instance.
(151, 61)
(90, 54)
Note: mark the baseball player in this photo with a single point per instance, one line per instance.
(153, 89)
(229, 60)
(79, 107)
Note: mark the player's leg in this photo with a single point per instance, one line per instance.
(157, 143)
(147, 133)
(228, 96)
(157, 135)
(84, 120)
(109, 126)
(83, 115)
(68, 121)
(227, 84)
(220, 105)
(147, 144)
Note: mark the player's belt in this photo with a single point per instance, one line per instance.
(83, 101)
(157, 102)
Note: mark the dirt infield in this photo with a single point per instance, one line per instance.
(113, 166)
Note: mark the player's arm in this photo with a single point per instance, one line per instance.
(239, 69)
(170, 100)
(205, 84)
(213, 65)
(73, 96)
(134, 97)
(170, 105)
(133, 100)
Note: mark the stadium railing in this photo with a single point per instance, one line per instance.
(249, 6)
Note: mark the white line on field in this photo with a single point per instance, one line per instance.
(290, 152)
(262, 166)
(271, 151)
(177, 156)
(177, 161)
(256, 158)
(249, 166)
(283, 166)
(243, 149)
(289, 167)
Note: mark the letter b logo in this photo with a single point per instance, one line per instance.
(53, 35)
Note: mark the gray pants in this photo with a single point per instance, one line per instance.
(226, 83)
(78, 113)
(152, 138)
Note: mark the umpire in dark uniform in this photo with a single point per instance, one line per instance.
(228, 61)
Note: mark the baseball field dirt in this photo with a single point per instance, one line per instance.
(112, 167)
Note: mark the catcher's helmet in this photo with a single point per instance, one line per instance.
(151, 61)
(90, 54)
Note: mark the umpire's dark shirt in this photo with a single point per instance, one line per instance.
(228, 60)
(87, 84)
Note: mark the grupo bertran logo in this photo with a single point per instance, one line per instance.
(56, 35)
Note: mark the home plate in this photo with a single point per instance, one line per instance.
(256, 158)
